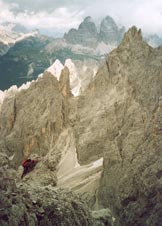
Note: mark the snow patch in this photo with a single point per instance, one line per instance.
(30, 34)
(25, 86)
(7, 36)
(56, 68)
(75, 83)
(72, 175)
(97, 163)
(2, 95)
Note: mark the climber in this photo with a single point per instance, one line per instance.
(28, 166)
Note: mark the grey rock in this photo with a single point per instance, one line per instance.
(40, 206)
(31, 119)
(64, 83)
(86, 34)
(129, 84)
(103, 216)
(118, 117)
(109, 31)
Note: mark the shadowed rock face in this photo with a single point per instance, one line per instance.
(127, 94)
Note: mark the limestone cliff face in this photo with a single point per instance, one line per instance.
(109, 31)
(37, 122)
(118, 118)
(123, 108)
(64, 83)
(85, 35)
(31, 120)
(35, 200)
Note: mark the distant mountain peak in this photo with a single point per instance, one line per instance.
(87, 34)
(88, 19)
(88, 25)
(109, 19)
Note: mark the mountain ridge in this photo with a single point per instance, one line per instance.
(110, 133)
(31, 56)
(87, 34)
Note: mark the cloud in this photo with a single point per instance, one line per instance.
(60, 19)
(61, 15)
(145, 14)
(47, 5)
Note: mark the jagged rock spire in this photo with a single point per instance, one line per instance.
(132, 35)
(64, 82)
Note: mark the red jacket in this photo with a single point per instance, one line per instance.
(27, 162)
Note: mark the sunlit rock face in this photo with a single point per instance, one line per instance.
(35, 115)
(55, 69)
(80, 73)
(126, 97)
(105, 143)
(64, 83)
(118, 117)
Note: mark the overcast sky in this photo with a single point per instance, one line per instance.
(61, 15)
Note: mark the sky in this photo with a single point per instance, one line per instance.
(61, 15)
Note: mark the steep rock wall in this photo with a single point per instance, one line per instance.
(31, 120)
(119, 118)
(131, 180)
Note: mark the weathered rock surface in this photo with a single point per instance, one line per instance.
(24, 205)
(64, 83)
(118, 118)
(121, 117)
(104, 216)
(35, 123)
(31, 120)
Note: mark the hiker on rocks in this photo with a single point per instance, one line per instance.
(28, 166)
